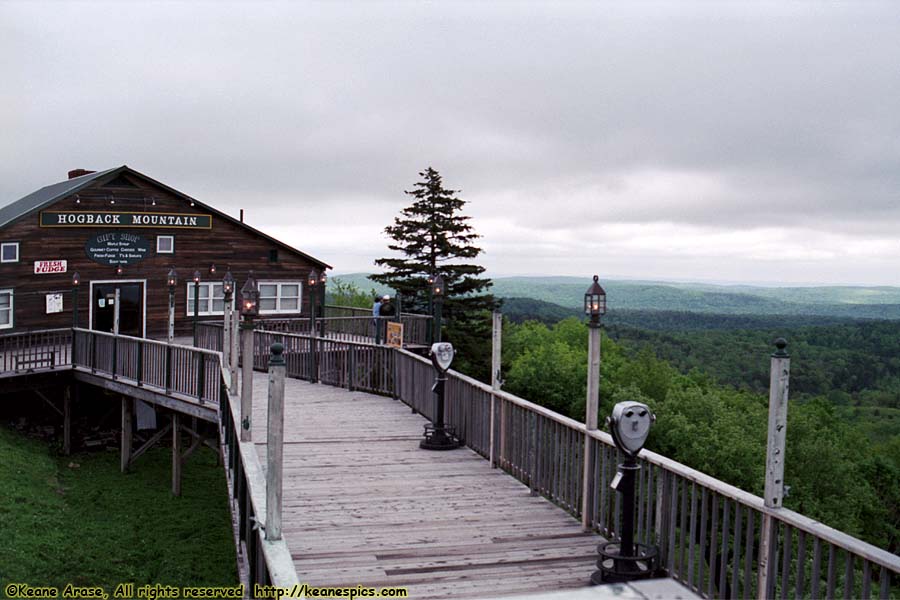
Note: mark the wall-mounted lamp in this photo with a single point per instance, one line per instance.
(212, 269)
(119, 270)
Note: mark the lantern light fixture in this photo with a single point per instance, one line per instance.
(228, 284)
(313, 278)
(250, 297)
(196, 276)
(437, 285)
(595, 300)
(76, 279)
(172, 279)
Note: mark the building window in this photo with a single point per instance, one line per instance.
(165, 244)
(273, 256)
(207, 290)
(279, 297)
(6, 309)
(9, 252)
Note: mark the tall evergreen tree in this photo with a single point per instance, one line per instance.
(432, 236)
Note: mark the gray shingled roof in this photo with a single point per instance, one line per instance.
(49, 194)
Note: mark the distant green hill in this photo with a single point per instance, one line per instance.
(568, 292)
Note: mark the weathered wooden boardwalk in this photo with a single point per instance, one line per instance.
(364, 505)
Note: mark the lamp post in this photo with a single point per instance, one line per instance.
(196, 303)
(171, 281)
(76, 281)
(313, 281)
(430, 337)
(323, 279)
(437, 289)
(249, 310)
(594, 308)
(228, 293)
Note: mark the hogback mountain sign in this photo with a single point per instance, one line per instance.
(117, 248)
(51, 218)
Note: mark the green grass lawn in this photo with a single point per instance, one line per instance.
(92, 525)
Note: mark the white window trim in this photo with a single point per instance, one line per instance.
(208, 313)
(12, 308)
(278, 310)
(3, 245)
(170, 237)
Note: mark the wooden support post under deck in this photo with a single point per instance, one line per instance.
(67, 421)
(176, 454)
(127, 426)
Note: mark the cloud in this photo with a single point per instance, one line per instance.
(663, 119)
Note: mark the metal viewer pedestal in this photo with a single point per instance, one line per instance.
(437, 435)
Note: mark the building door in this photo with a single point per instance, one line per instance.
(118, 308)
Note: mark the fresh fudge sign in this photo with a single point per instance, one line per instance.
(124, 219)
(117, 248)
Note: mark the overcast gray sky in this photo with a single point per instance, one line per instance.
(697, 141)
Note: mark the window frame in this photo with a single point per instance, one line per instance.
(11, 309)
(278, 298)
(3, 246)
(169, 237)
(210, 299)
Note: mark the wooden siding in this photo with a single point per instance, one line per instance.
(227, 244)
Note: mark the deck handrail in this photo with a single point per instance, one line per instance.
(128, 360)
(170, 368)
(708, 531)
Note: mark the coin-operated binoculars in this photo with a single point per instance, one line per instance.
(626, 560)
(437, 435)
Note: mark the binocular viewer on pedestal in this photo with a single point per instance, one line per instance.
(626, 560)
(437, 435)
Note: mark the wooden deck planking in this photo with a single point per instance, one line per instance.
(364, 505)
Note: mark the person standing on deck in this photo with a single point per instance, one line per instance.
(376, 313)
(388, 312)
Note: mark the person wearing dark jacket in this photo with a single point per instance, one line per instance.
(388, 312)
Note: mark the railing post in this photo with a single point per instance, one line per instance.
(168, 369)
(274, 443)
(140, 363)
(235, 351)
(115, 355)
(351, 367)
(496, 346)
(201, 376)
(93, 340)
(314, 359)
(775, 449)
(247, 380)
(590, 419)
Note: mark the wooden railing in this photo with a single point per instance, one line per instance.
(179, 371)
(269, 562)
(35, 351)
(707, 531)
(415, 326)
(169, 368)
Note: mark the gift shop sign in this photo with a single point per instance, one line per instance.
(45, 267)
(117, 248)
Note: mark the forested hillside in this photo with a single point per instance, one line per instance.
(837, 470)
(568, 293)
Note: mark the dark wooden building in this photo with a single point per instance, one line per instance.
(122, 232)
